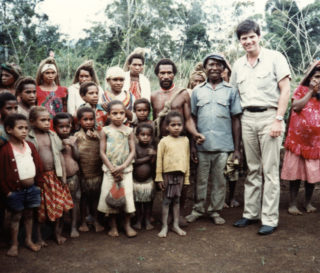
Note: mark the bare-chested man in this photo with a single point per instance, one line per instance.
(172, 98)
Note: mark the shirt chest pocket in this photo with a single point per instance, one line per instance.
(222, 108)
(264, 79)
(204, 107)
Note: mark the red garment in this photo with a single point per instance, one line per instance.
(53, 101)
(9, 176)
(303, 136)
(55, 198)
(135, 89)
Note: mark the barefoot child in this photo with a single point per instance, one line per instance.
(26, 91)
(88, 143)
(117, 150)
(62, 123)
(143, 170)
(172, 170)
(55, 194)
(20, 170)
(89, 92)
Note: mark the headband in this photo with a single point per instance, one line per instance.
(48, 66)
(115, 72)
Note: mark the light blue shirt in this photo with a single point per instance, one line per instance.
(214, 109)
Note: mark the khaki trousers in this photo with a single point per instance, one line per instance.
(263, 157)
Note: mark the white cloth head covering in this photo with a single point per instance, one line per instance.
(47, 67)
(115, 72)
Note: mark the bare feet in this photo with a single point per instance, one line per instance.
(13, 251)
(137, 225)
(113, 232)
(42, 243)
(293, 210)
(179, 231)
(130, 232)
(234, 203)
(98, 227)
(163, 233)
(84, 227)
(225, 206)
(60, 239)
(32, 246)
(74, 233)
(309, 208)
(182, 221)
(149, 226)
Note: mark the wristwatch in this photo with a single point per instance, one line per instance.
(279, 118)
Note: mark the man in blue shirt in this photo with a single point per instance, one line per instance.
(215, 105)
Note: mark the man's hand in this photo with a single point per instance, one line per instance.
(194, 154)
(236, 156)
(199, 138)
(276, 128)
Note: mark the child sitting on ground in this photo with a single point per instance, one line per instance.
(26, 91)
(88, 143)
(20, 172)
(143, 170)
(55, 194)
(89, 92)
(117, 150)
(8, 105)
(172, 170)
(62, 123)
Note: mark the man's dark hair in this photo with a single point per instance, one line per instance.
(61, 115)
(4, 97)
(141, 101)
(11, 120)
(83, 110)
(135, 56)
(144, 125)
(171, 115)
(246, 26)
(165, 62)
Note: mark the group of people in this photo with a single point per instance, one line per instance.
(87, 150)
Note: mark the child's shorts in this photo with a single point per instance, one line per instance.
(24, 199)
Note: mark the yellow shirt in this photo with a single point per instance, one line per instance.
(173, 155)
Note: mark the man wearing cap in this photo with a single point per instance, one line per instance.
(262, 77)
(215, 106)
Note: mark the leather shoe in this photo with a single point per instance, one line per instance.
(243, 222)
(266, 230)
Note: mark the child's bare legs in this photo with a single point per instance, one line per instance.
(139, 212)
(183, 198)
(74, 213)
(94, 200)
(165, 213)
(127, 226)
(294, 190)
(15, 220)
(308, 195)
(83, 211)
(233, 203)
(28, 217)
(176, 214)
(58, 225)
(40, 241)
(113, 225)
(148, 212)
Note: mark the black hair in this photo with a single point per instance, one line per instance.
(165, 62)
(83, 110)
(142, 101)
(84, 87)
(112, 103)
(171, 115)
(307, 80)
(61, 115)
(135, 56)
(19, 86)
(11, 120)
(246, 26)
(143, 125)
(4, 97)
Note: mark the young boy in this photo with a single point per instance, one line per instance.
(141, 108)
(143, 171)
(8, 105)
(26, 91)
(88, 142)
(62, 124)
(55, 194)
(21, 169)
(89, 92)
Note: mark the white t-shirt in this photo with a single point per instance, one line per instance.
(24, 161)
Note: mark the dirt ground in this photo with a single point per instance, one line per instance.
(294, 247)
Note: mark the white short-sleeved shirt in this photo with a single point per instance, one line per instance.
(24, 161)
(258, 84)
